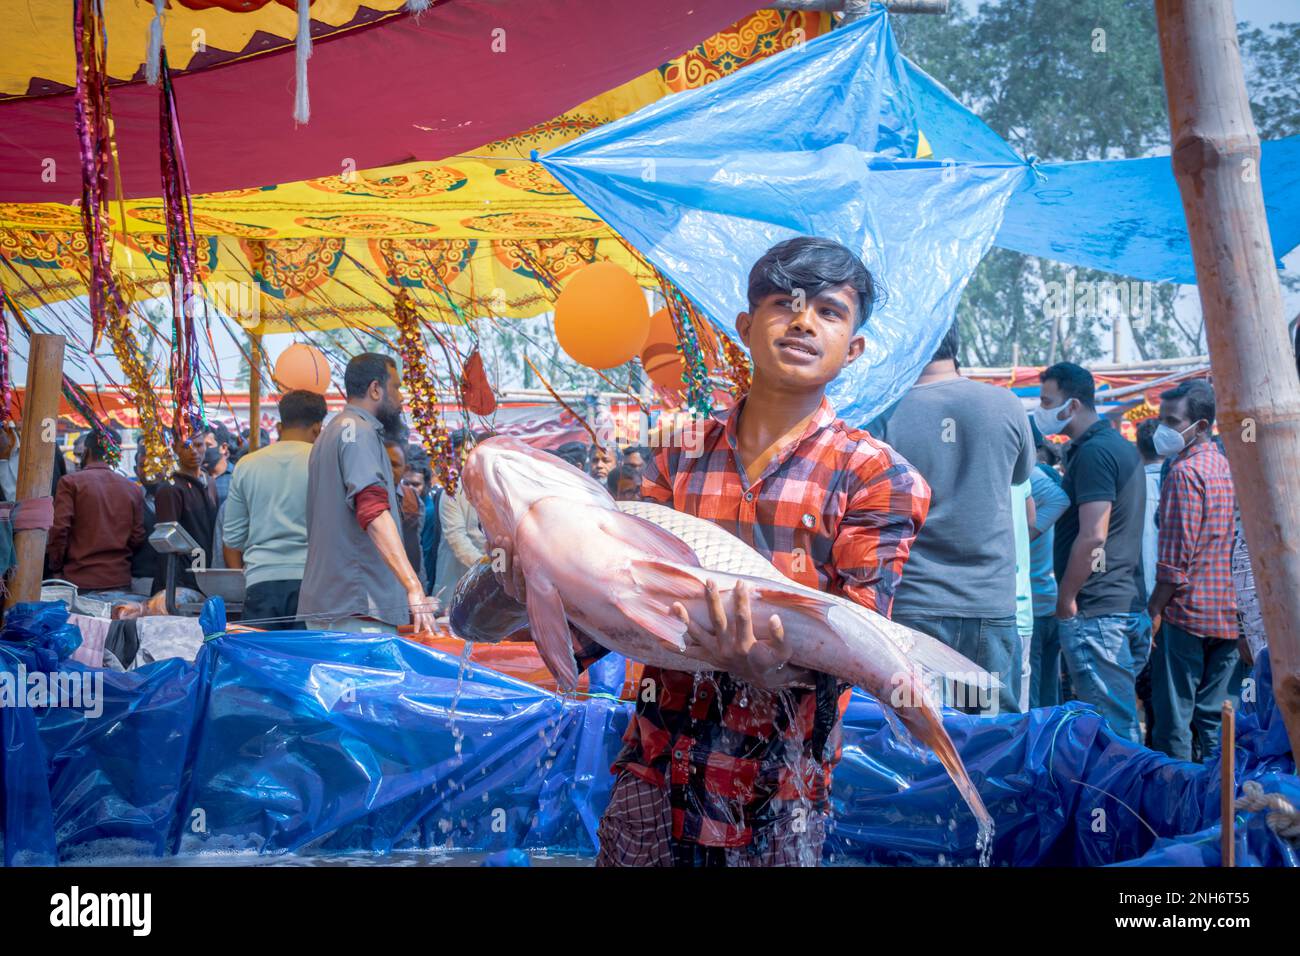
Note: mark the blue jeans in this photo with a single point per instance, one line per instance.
(1191, 676)
(1045, 663)
(1104, 655)
(991, 642)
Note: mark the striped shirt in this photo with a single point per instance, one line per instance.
(1195, 543)
(835, 510)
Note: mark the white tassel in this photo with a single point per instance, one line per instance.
(153, 59)
(418, 6)
(301, 102)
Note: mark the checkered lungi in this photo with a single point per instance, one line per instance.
(637, 830)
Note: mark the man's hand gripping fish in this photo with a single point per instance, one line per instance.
(615, 571)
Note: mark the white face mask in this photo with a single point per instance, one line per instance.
(1169, 441)
(1048, 423)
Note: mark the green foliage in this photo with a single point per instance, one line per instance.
(1272, 60)
(1067, 80)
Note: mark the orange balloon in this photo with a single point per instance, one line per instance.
(302, 366)
(662, 362)
(601, 317)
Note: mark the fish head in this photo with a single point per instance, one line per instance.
(504, 477)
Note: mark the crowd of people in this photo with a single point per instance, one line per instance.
(1071, 562)
(1064, 559)
(1087, 568)
(255, 510)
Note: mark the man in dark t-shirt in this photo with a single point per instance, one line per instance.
(1104, 630)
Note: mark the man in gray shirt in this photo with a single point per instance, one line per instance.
(971, 442)
(357, 576)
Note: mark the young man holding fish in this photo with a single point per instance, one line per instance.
(732, 768)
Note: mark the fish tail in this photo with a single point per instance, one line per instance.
(926, 725)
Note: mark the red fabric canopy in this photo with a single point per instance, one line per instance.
(409, 88)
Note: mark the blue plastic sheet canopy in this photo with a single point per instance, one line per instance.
(328, 744)
(818, 140)
(822, 139)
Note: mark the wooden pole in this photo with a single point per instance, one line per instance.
(36, 459)
(1216, 162)
(1228, 787)
(254, 389)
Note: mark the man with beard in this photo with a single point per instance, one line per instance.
(358, 577)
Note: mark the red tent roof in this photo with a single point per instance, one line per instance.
(404, 89)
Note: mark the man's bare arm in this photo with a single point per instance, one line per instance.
(384, 533)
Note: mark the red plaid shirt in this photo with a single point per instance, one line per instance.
(836, 510)
(1195, 542)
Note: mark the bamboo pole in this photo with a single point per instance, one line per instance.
(254, 389)
(1216, 161)
(1228, 787)
(36, 459)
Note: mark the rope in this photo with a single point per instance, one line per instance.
(1283, 818)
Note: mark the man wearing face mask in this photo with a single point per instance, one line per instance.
(188, 498)
(1104, 632)
(218, 464)
(1194, 606)
(357, 576)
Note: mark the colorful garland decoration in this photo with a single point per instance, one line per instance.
(158, 458)
(421, 385)
(182, 245)
(94, 130)
(6, 385)
(699, 390)
(739, 372)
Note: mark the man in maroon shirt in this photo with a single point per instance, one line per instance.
(98, 522)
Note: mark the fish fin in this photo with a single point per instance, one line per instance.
(676, 582)
(933, 656)
(659, 624)
(648, 537)
(668, 580)
(795, 600)
(550, 631)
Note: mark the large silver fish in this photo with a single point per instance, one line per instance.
(615, 574)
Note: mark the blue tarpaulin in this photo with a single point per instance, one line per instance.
(822, 139)
(335, 744)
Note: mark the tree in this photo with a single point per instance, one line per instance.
(1061, 80)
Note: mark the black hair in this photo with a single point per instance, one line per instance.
(621, 474)
(950, 346)
(1074, 381)
(1146, 430)
(100, 441)
(576, 453)
(812, 265)
(222, 434)
(641, 450)
(366, 368)
(419, 463)
(1200, 399)
(301, 409)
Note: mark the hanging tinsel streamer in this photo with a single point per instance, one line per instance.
(422, 387)
(187, 399)
(699, 390)
(6, 386)
(93, 125)
(739, 371)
